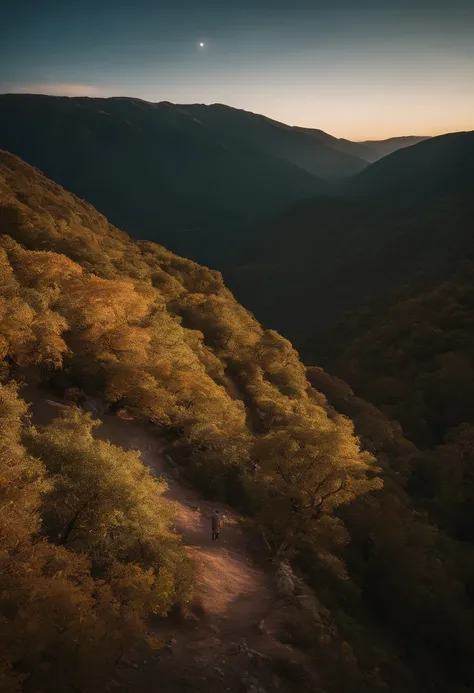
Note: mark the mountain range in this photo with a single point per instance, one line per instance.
(308, 229)
(184, 175)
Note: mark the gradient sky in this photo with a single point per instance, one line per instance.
(357, 69)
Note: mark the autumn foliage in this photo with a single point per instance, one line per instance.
(87, 548)
(93, 313)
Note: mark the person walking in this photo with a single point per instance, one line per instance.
(216, 525)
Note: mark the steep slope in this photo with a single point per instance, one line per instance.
(90, 550)
(369, 151)
(415, 360)
(92, 313)
(317, 155)
(412, 535)
(437, 166)
(377, 149)
(408, 219)
(232, 589)
(190, 176)
(357, 149)
(175, 174)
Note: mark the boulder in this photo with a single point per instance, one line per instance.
(285, 580)
(95, 406)
(170, 461)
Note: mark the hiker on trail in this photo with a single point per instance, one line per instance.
(216, 525)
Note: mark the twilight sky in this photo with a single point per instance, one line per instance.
(355, 68)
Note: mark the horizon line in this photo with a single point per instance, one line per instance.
(24, 91)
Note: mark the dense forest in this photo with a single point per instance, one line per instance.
(88, 311)
(417, 365)
(404, 221)
(332, 482)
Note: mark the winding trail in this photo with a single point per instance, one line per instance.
(229, 585)
(212, 651)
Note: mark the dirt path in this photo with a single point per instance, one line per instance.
(224, 646)
(230, 588)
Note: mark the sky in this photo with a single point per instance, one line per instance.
(361, 69)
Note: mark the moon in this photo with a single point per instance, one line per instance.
(201, 44)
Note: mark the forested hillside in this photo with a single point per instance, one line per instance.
(442, 165)
(89, 312)
(416, 363)
(408, 563)
(405, 220)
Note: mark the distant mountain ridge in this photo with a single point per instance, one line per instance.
(183, 175)
(161, 170)
(380, 148)
(439, 165)
(368, 150)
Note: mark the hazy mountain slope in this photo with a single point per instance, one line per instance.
(377, 149)
(437, 166)
(357, 149)
(370, 150)
(177, 174)
(316, 155)
(324, 258)
(415, 359)
(152, 168)
(184, 175)
(216, 124)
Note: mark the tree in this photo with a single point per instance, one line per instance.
(60, 627)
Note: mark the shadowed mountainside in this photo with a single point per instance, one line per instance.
(377, 149)
(408, 219)
(190, 176)
(166, 172)
(370, 150)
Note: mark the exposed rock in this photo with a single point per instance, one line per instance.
(171, 642)
(95, 406)
(285, 580)
(201, 661)
(170, 460)
(233, 649)
(276, 682)
(253, 653)
(252, 685)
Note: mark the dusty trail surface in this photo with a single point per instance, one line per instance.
(224, 646)
(229, 587)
